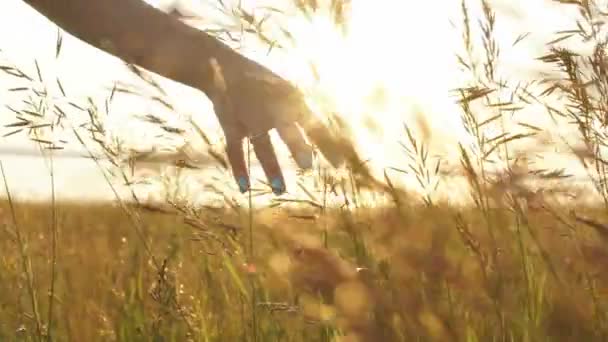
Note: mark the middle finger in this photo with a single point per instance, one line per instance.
(265, 153)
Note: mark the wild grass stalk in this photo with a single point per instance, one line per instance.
(53, 235)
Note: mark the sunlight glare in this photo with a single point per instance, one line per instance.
(391, 66)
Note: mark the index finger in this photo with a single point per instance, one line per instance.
(236, 158)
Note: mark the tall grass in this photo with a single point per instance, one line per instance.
(517, 264)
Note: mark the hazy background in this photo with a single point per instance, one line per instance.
(405, 48)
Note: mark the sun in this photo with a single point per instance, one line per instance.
(394, 65)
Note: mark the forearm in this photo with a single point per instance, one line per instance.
(140, 34)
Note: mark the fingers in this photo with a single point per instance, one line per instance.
(262, 146)
(300, 150)
(267, 157)
(234, 133)
(236, 158)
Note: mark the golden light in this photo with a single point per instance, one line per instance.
(392, 66)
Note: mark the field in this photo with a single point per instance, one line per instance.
(520, 261)
(393, 274)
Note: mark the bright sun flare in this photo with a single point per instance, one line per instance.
(391, 67)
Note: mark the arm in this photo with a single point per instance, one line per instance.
(140, 34)
(256, 99)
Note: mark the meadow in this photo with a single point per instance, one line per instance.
(392, 274)
(516, 262)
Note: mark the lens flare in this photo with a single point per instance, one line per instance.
(391, 66)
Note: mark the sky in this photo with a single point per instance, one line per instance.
(405, 48)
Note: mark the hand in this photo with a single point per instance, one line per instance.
(248, 99)
(251, 100)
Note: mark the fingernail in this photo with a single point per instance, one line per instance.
(277, 186)
(243, 184)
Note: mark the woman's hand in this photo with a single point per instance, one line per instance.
(249, 101)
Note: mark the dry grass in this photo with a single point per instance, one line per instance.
(516, 265)
(381, 274)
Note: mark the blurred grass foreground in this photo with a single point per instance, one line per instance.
(519, 261)
(394, 274)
